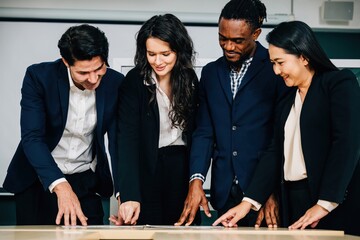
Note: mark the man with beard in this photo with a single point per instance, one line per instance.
(238, 94)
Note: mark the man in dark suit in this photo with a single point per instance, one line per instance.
(60, 167)
(238, 94)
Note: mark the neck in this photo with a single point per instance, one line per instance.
(304, 86)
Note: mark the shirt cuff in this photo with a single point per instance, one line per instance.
(197, 176)
(327, 205)
(255, 205)
(56, 182)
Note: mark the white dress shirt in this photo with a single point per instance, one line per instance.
(73, 154)
(294, 166)
(168, 135)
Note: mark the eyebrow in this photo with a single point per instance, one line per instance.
(231, 39)
(276, 59)
(100, 66)
(94, 70)
(167, 51)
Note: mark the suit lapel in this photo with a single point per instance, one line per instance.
(257, 63)
(254, 68)
(154, 106)
(224, 76)
(63, 85)
(286, 109)
(100, 105)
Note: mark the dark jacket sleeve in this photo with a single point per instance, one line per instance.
(36, 92)
(344, 151)
(128, 138)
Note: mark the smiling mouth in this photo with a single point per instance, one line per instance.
(230, 53)
(285, 77)
(232, 56)
(160, 68)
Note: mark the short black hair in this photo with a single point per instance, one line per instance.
(251, 11)
(83, 42)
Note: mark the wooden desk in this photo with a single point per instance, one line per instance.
(164, 233)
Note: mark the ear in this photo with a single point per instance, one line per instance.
(65, 62)
(256, 33)
(304, 60)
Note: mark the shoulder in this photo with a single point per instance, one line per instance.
(45, 74)
(261, 58)
(260, 49)
(211, 68)
(133, 73)
(114, 76)
(134, 77)
(133, 80)
(342, 74)
(218, 62)
(332, 79)
(45, 67)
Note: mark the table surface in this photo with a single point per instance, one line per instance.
(164, 233)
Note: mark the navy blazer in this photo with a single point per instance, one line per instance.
(234, 132)
(44, 108)
(330, 138)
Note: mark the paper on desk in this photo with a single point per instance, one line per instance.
(183, 227)
(104, 227)
(142, 227)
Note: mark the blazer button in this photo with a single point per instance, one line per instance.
(233, 128)
(234, 153)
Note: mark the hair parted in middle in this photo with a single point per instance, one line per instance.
(171, 30)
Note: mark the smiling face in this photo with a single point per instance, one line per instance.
(237, 40)
(293, 69)
(160, 57)
(87, 74)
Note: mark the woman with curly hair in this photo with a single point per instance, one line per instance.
(155, 120)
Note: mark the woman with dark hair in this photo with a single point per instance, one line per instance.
(316, 147)
(155, 121)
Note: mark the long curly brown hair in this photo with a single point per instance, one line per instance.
(170, 29)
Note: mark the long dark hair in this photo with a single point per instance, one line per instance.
(170, 29)
(297, 38)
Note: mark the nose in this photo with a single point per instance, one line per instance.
(158, 60)
(93, 77)
(228, 45)
(276, 69)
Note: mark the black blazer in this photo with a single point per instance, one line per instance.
(44, 108)
(138, 134)
(330, 138)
